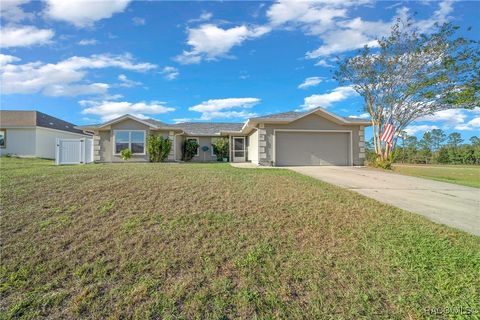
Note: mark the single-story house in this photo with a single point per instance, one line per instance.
(33, 133)
(316, 137)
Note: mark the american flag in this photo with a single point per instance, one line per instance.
(387, 134)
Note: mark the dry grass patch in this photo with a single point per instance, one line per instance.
(212, 241)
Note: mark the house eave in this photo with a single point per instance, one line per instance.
(362, 123)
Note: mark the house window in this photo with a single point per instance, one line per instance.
(130, 139)
(3, 138)
(198, 142)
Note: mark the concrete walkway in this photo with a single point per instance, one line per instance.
(454, 205)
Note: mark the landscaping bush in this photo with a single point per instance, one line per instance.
(386, 164)
(189, 149)
(158, 148)
(220, 147)
(126, 154)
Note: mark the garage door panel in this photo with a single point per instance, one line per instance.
(312, 148)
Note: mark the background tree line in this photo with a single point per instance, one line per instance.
(434, 147)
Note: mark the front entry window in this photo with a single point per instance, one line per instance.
(133, 140)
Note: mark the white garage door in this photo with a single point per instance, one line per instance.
(294, 148)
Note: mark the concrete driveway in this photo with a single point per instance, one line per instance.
(450, 204)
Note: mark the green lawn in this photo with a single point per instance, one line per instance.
(209, 241)
(463, 175)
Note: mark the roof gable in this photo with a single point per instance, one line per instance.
(152, 123)
(290, 116)
(124, 117)
(327, 115)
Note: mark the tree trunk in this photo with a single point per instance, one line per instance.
(376, 141)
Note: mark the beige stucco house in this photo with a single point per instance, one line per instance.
(317, 137)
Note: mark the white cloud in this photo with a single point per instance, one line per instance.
(210, 42)
(454, 119)
(58, 90)
(137, 21)
(310, 82)
(412, 130)
(222, 108)
(318, 18)
(473, 124)
(188, 57)
(11, 10)
(108, 110)
(205, 16)
(24, 36)
(181, 120)
(339, 41)
(127, 83)
(170, 73)
(312, 16)
(98, 61)
(440, 16)
(83, 13)
(324, 63)
(87, 42)
(244, 75)
(327, 99)
(331, 21)
(450, 117)
(6, 59)
(360, 116)
(64, 77)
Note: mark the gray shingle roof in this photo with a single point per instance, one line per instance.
(207, 128)
(47, 121)
(199, 128)
(157, 123)
(282, 115)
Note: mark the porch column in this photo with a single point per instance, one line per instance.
(171, 155)
(262, 145)
(361, 142)
(96, 146)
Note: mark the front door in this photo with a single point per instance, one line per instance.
(238, 149)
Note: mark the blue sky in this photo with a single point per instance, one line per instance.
(86, 61)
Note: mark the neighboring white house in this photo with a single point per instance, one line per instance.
(33, 133)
